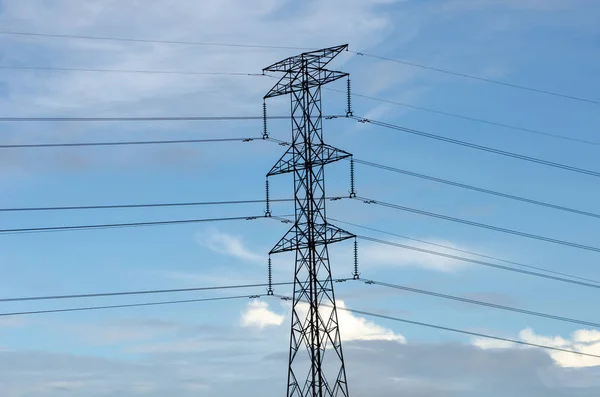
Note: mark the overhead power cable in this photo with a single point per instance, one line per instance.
(151, 41)
(472, 77)
(571, 280)
(460, 331)
(278, 47)
(481, 225)
(472, 119)
(180, 72)
(159, 118)
(478, 147)
(148, 292)
(481, 303)
(238, 297)
(466, 252)
(128, 71)
(166, 118)
(125, 143)
(145, 292)
(150, 205)
(477, 189)
(121, 225)
(481, 263)
(88, 308)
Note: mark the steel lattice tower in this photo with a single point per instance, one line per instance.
(314, 326)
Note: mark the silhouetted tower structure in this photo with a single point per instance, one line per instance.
(316, 361)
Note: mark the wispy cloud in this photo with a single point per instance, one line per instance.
(584, 341)
(389, 256)
(227, 244)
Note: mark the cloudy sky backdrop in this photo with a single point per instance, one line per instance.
(240, 347)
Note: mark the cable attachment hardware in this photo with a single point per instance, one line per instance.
(349, 94)
(352, 186)
(356, 274)
(270, 277)
(268, 200)
(265, 133)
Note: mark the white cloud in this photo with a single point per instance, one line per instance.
(258, 315)
(227, 244)
(229, 21)
(489, 344)
(584, 341)
(352, 328)
(381, 255)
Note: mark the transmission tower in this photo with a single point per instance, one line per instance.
(314, 327)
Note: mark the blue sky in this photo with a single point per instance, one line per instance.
(197, 348)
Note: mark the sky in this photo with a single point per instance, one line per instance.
(228, 347)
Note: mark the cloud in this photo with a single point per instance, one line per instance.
(380, 368)
(381, 255)
(489, 344)
(584, 341)
(362, 23)
(258, 315)
(125, 331)
(227, 244)
(352, 328)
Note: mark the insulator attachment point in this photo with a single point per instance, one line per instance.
(270, 278)
(356, 274)
(265, 133)
(268, 202)
(349, 97)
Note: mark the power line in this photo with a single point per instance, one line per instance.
(88, 308)
(150, 205)
(455, 330)
(261, 46)
(125, 143)
(479, 262)
(473, 119)
(121, 225)
(477, 189)
(481, 225)
(479, 147)
(177, 118)
(179, 72)
(129, 71)
(108, 38)
(572, 280)
(224, 298)
(467, 252)
(145, 292)
(482, 303)
(487, 80)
